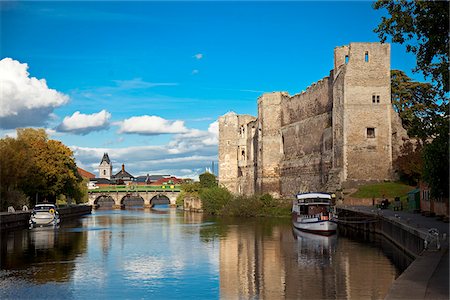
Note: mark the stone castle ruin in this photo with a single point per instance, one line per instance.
(342, 130)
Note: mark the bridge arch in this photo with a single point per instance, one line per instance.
(130, 200)
(104, 201)
(159, 199)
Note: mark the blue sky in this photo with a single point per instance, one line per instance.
(146, 81)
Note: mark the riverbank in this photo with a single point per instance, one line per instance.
(428, 275)
(19, 219)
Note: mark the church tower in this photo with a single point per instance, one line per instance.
(105, 167)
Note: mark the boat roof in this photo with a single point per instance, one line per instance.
(313, 195)
(45, 205)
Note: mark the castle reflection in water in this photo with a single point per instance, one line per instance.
(292, 264)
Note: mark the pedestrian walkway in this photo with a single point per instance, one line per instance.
(428, 275)
(415, 220)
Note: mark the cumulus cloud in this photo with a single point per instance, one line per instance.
(25, 100)
(198, 56)
(79, 123)
(151, 125)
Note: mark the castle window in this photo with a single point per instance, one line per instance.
(243, 155)
(104, 172)
(375, 98)
(366, 57)
(346, 59)
(370, 132)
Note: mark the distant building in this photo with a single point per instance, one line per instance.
(123, 177)
(168, 181)
(105, 167)
(148, 179)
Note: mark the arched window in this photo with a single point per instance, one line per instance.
(104, 172)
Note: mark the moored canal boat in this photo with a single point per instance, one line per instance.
(311, 212)
(44, 215)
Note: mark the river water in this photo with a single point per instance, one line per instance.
(165, 253)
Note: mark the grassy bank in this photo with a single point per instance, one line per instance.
(381, 190)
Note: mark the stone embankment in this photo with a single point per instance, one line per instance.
(19, 219)
(424, 238)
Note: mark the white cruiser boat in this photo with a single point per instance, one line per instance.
(44, 215)
(311, 212)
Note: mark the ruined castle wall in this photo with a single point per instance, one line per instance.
(338, 123)
(399, 134)
(305, 138)
(367, 113)
(233, 149)
(269, 144)
(247, 165)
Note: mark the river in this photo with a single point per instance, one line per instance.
(165, 253)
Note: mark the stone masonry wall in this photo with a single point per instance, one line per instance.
(306, 138)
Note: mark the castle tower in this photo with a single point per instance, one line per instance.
(234, 152)
(362, 112)
(105, 167)
(269, 143)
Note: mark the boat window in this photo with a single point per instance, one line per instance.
(304, 210)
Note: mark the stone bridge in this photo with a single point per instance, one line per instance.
(148, 197)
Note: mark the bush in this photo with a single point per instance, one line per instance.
(267, 200)
(215, 199)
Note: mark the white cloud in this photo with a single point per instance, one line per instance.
(24, 100)
(138, 83)
(82, 123)
(151, 125)
(194, 72)
(198, 56)
(186, 155)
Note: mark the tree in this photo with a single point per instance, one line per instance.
(419, 105)
(214, 199)
(436, 162)
(423, 26)
(207, 180)
(14, 165)
(51, 168)
(410, 163)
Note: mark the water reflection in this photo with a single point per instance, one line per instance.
(296, 265)
(165, 254)
(44, 254)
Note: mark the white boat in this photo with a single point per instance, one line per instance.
(311, 212)
(44, 215)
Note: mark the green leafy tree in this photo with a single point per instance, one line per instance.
(214, 199)
(410, 163)
(418, 104)
(436, 162)
(52, 171)
(423, 27)
(207, 180)
(15, 164)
